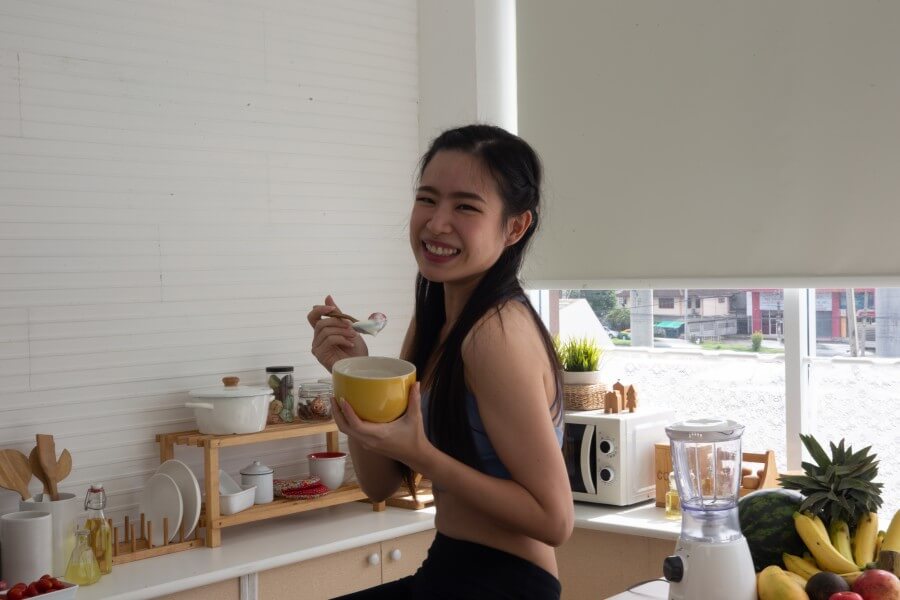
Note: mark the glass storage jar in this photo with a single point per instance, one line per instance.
(314, 401)
(281, 380)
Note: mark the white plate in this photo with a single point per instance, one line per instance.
(161, 498)
(190, 491)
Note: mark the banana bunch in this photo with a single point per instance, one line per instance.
(814, 534)
(774, 583)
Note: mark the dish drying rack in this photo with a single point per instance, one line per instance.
(136, 544)
(211, 518)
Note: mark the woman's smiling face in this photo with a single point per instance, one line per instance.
(457, 229)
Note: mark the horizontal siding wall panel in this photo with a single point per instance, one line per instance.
(178, 187)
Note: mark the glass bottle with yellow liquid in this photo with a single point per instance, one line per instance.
(673, 502)
(82, 568)
(100, 530)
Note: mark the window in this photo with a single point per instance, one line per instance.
(706, 364)
(855, 380)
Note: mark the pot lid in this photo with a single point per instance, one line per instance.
(257, 468)
(231, 389)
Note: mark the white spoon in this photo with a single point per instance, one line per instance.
(370, 326)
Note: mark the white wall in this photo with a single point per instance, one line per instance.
(177, 187)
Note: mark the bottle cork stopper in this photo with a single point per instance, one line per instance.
(231, 381)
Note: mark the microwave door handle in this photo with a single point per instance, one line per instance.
(586, 468)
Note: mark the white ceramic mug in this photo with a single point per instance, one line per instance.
(329, 467)
(64, 512)
(27, 541)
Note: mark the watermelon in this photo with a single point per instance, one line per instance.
(767, 521)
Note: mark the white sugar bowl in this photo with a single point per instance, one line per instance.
(262, 477)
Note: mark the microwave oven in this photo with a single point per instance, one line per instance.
(609, 457)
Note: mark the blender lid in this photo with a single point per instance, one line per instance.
(705, 430)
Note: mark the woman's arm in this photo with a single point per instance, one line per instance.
(379, 476)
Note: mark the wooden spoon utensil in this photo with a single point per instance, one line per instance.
(64, 468)
(47, 457)
(15, 472)
(340, 315)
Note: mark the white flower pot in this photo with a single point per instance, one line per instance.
(581, 378)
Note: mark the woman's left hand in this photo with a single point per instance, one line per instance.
(403, 439)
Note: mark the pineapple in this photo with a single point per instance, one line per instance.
(840, 488)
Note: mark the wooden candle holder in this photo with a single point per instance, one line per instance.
(136, 545)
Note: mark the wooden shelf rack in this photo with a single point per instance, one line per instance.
(211, 518)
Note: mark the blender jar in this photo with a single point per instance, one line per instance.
(706, 456)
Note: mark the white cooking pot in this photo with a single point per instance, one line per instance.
(232, 408)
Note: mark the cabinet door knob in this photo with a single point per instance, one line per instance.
(374, 559)
(395, 554)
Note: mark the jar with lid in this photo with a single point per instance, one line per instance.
(262, 476)
(281, 380)
(314, 401)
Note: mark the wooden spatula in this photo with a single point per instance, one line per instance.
(47, 457)
(64, 468)
(15, 472)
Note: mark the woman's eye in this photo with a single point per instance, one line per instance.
(425, 200)
(468, 207)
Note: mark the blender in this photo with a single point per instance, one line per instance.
(712, 560)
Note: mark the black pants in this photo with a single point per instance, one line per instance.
(459, 569)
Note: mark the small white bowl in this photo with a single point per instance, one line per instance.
(329, 467)
(234, 498)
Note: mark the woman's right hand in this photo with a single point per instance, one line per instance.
(333, 339)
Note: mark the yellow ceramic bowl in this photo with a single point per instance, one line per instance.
(376, 387)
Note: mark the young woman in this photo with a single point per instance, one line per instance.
(486, 425)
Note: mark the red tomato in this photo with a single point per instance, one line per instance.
(33, 590)
(57, 584)
(15, 594)
(44, 585)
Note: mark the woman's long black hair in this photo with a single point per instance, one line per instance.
(516, 169)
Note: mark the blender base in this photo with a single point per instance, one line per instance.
(714, 571)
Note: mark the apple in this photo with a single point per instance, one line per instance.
(845, 596)
(877, 584)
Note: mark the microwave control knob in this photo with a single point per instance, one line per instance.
(607, 474)
(607, 446)
(673, 568)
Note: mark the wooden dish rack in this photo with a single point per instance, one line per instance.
(136, 545)
(211, 519)
(766, 475)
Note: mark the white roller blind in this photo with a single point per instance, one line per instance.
(703, 141)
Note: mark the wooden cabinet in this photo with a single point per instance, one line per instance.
(402, 556)
(348, 571)
(596, 564)
(224, 590)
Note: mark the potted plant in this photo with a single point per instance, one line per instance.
(580, 359)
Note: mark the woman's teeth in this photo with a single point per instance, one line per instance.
(441, 251)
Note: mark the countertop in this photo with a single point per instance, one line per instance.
(286, 540)
(655, 590)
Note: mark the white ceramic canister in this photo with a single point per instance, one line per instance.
(27, 541)
(64, 513)
(262, 477)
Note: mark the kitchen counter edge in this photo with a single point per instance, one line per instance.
(288, 540)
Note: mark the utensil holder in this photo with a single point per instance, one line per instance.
(64, 513)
